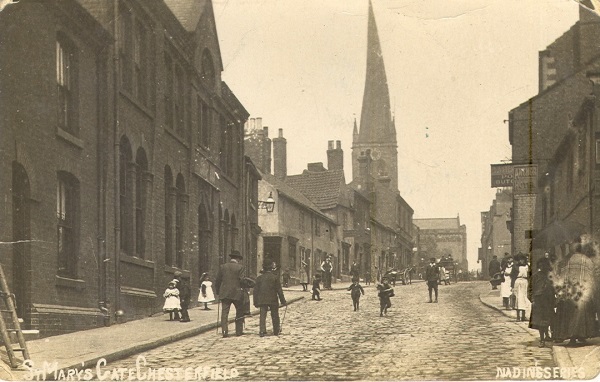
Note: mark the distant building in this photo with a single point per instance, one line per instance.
(443, 237)
(495, 233)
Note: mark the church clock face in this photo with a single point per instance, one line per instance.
(375, 154)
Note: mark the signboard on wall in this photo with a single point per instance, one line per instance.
(525, 179)
(502, 175)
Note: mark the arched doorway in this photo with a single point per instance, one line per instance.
(21, 228)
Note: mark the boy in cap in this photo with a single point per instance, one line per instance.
(185, 293)
(267, 295)
(316, 287)
(356, 290)
(432, 272)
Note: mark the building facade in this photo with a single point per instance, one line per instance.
(553, 133)
(443, 237)
(131, 170)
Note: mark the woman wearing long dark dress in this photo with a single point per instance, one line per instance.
(542, 309)
(576, 310)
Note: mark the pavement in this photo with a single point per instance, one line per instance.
(83, 349)
(585, 356)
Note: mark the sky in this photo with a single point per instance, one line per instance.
(455, 68)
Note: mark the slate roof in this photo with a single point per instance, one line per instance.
(293, 194)
(188, 12)
(438, 223)
(323, 188)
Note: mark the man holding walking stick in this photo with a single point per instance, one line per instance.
(267, 295)
(228, 287)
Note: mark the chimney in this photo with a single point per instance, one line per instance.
(280, 156)
(335, 156)
(315, 167)
(266, 150)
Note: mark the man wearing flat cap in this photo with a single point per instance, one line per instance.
(267, 295)
(432, 272)
(228, 287)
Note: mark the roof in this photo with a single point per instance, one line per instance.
(324, 188)
(438, 223)
(293, 194)
(188, 12)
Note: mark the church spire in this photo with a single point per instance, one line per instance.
(375, 119)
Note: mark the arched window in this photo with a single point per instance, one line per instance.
(140, 202)
(126, 172)
(180, 207)
(168, 217)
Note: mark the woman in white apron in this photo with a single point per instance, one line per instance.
(505, 290)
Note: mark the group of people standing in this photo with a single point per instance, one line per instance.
(564, 296)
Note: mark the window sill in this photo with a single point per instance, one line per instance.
(137, 261)
(177, 137)
(144, 109)
(69, 137)
(68, 282)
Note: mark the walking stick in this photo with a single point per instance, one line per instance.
(283, 319)
(218, 309)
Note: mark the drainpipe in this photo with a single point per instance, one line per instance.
(116, 159)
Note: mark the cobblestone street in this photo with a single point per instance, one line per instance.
(457, 339)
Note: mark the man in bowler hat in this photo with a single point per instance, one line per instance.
(229, 289)
(267, 295)
(432, 272)
(185, 293)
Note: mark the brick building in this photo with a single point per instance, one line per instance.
(121, 162)
(442, 237)
(495, 234)
(545, 130)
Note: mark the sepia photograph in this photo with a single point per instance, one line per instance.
(299, 190)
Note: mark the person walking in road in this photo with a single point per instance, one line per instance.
(356, 290)
(185, 294)
(171, 295)
(354, 271)
(304, 276)
(316, 288)
(206, 292)
(229, 289)
(327, 268)
(286, 277)
(267, 291)
(385, 292)
(431, 276)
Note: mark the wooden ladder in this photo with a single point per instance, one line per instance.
(10, 308)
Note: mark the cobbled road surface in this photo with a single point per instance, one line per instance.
(457, 339)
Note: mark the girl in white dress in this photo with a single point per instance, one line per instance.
(520, 285)
(206, 292)
(172, 303)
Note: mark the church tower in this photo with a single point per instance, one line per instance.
(377, 134)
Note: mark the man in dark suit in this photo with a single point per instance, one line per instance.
(267, 290)
(494, 269)
(229, 289)
(432, 274)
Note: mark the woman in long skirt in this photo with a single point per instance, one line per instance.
(505, 288)
(304, 276)
(520, 285)
(542, 309)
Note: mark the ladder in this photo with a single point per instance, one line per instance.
(10, 308)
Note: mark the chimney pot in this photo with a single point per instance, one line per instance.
(330, 145)
(338, 145)
(259, 123)
(266, 131)
(280, 133)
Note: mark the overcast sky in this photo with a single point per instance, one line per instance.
(455, 68)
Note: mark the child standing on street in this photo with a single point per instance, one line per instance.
(316, 288)
(206, 292)
(172, 304)
(385, 292)
(356, 290)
